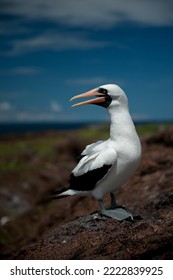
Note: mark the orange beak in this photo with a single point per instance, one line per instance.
(93, 92)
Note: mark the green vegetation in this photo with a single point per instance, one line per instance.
(41, 146)
(11, 148)
(148, 129)
(94, 132)
(13, 165)
(16, 155)
(102, 131)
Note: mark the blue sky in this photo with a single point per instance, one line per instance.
(52, 50)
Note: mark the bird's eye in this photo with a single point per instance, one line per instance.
(102, 90)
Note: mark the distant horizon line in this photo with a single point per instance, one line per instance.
(82, 121)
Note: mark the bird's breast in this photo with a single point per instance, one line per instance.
(128, 158)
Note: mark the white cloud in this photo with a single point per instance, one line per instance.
(40, 116)
(5, 106)
(95, 81)
(32, 117)
(55, 106)
(6, 111)
(30, 114)
(93, 13)
(54, 41)
(21, 71)
(9, 113)
(27, 116)
(88, 80)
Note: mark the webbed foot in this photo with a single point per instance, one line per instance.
(119, 213)
(116, 212)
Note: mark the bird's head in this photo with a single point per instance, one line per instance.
(106, 96)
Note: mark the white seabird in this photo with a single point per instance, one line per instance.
(105, 166)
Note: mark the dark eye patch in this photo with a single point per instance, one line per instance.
(102, 90)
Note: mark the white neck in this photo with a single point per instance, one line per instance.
(122, 126)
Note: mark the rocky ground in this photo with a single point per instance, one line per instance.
(33, 227)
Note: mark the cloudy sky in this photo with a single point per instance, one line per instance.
(53, 49)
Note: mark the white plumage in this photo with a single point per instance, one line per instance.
(106, 165)
(95, 156)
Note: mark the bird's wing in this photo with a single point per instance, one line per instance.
(95, 156)
(95, 147)
(96, 161)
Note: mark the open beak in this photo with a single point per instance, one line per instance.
(91, 93)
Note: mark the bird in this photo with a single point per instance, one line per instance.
(105, 166)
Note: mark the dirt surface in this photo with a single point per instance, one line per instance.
(71, 228)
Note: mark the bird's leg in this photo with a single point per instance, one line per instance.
(115, 206)
(119, 213)
(113, 201)
(101, 204)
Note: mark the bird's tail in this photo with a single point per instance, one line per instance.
(62, 193)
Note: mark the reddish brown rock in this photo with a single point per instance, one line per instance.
(70, 228)
(96, 237)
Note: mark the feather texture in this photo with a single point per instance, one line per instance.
(87, 181)
(95, 156)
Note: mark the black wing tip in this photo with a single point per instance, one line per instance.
(87, 181)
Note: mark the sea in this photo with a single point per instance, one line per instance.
(17, 128)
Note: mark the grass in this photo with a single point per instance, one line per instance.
(11, 148)
(41, 146)
(12, 165)
(94, 132)
(12, 152)
(150, 128)
(102, 132)
(15, 155)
